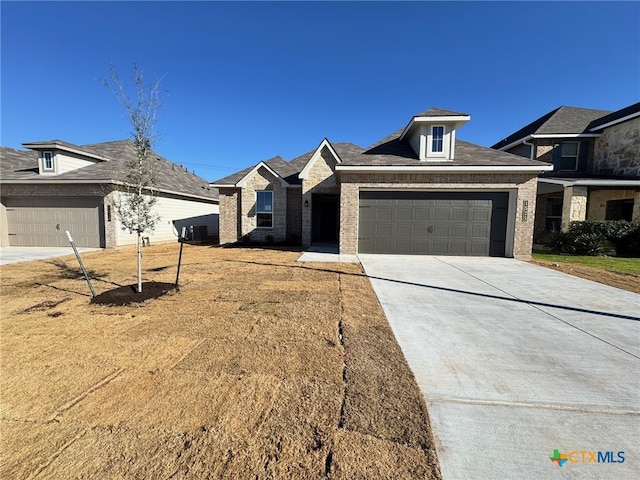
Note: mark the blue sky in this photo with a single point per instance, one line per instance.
(248, 81)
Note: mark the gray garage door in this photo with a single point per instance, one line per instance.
(41, 222)
(429, 223)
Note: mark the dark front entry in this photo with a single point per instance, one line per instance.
(324, 217)
(433, 223)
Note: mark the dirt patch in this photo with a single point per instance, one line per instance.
(42, 306)
(128, 294)
(624, 281)
(259, 367)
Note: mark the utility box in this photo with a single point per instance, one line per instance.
(199, 233)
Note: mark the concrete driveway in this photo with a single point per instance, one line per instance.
(516, 361)
(29, 254)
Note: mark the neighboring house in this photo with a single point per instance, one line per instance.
(56, 186)
(419, 191)
(596, 165)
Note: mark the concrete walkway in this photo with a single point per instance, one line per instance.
(516, 361)
(29, 254)
(326, 253)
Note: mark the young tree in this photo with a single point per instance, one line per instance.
(134, 204)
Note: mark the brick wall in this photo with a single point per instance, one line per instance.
(294, 215)
(229, 222)
(320, 179)
(524, 185)
(263, 180)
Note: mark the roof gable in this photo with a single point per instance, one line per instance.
(317, 154)
(254, 171)
(563, 120)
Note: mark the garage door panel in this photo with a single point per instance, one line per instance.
(404, 213)
(384, 213)
(442, 213)
(433, 223)
(43, 221)
(382, 230)
(479, 231)
(404, 230)
(481, 215)
(459, 231)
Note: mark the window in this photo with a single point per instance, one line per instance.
(47, 161)
(437, 139)
(569, 156)
(554, 214)
(264, 209)
(619, 209)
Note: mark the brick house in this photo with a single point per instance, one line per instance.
(595, 156)
(55, 186)
(420, 190)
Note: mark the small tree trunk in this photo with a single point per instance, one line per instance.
(139, 263)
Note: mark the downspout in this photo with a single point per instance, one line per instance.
(524, 142)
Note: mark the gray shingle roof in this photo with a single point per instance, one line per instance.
(289, 171)
(22, 166)
(562, 120)
(439, 112)
(390, 151)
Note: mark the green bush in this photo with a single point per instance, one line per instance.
(593, 244)
(623, 236)
(593, 237)
(560, 242)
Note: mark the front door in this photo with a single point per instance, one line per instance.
(324, 218)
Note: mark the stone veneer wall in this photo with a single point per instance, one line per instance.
(263, 180)
(352, 183)
(320, 179)
(229, 221)
(574, 205)
(618, 149)
(597, 207)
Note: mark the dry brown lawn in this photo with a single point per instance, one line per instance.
(258, 367)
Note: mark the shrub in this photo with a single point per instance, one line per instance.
(623, 236)
(591, 244)
(560, 242)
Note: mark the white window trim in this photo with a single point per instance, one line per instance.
(258, 212)
(575, 166)
(44, 162)
(430, 152)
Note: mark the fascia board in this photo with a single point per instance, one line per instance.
(243, 180)
(445, 168)
(615, 122)
(515, 142)
(591, 182)
(459, 120)
(102, 182)
(547, 135)
(325, 143)
(565, 135)
(64, 148)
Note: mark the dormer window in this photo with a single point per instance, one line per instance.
(437, 139)
(432, 134)
(47, 162)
